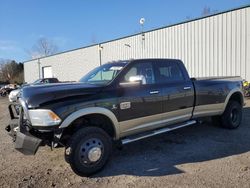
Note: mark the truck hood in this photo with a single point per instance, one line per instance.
(37, 95)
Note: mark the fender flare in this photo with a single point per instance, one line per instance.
(92, 110)
(236, 90)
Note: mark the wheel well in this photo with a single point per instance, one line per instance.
(237, 97)
(95, 120)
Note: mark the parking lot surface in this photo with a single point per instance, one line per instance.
(197, 156)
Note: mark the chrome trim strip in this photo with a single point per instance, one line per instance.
(156, 132)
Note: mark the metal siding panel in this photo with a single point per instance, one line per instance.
(159, 44)
(238, 43)
(175, 42)
(196, 50)
(179, 41)
(243, 43)
(192, 48)
(73, 65)
(169, 41)
(224, 47)
(199, 51)
(211, 47)
(164, 47)
(203, 48)
(138, 47)
(185, 59)
(220, 45)
(132, 46)
(207, 47)
(215, 46)
(232, 53)
(248, 45)
(189, 50)
(230, 46)
(156, 44)
(31, 71)
(182, 42)
(149, 45)
(153, 45)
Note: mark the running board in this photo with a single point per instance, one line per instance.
(156, 132)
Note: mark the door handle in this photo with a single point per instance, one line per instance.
(154, 92)
(187, 88)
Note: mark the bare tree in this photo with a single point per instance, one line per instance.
(43, 47)
(11, 71)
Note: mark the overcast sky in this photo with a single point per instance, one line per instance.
(76, 23)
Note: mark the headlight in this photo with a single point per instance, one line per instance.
(43, 117)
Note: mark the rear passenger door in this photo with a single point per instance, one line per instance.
(177, 91)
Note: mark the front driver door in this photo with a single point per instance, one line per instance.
(139, 105)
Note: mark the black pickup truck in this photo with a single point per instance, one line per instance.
(119, 103)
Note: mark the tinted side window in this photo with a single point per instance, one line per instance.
(52, 80)
(168, 72)
(141, 69)
(46, 81)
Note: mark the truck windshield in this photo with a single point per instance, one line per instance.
(103, 74)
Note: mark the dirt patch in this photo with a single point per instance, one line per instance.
(197, 156)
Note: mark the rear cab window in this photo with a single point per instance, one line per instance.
(166, 72)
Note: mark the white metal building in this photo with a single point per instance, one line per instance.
(216, 45)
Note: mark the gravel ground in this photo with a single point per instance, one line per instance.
(197, 156)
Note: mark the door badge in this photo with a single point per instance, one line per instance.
(125, 105)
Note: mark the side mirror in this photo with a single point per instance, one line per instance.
(134, 81)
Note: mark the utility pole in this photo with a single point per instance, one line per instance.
(142, 21)
(100, 54)
(39, 66)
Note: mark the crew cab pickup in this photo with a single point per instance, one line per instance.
(118, 103)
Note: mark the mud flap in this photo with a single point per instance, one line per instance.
(28, 145)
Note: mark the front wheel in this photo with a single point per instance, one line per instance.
(232, 116)
(88, 150)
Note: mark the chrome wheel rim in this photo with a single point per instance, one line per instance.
(91, 151)
(94, 154)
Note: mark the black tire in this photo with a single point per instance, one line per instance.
(78, 153)
(232, 116)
